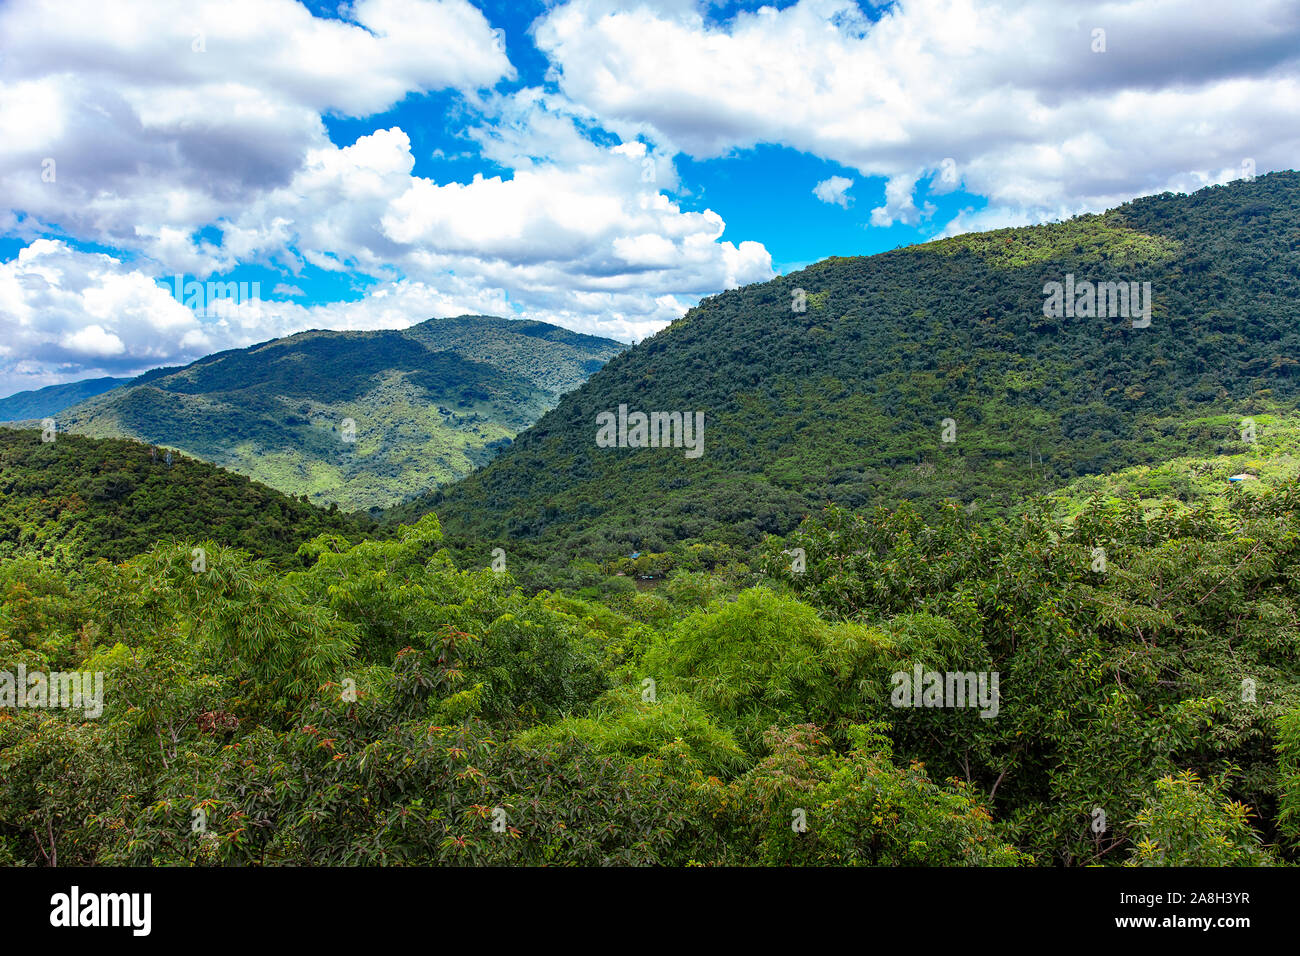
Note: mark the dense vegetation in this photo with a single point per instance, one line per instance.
(364, 420)
(1112, 679)
(649, 659)
(846, 401)
(383, 706)
(75, 499)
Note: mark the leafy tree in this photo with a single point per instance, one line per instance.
(1192, 823)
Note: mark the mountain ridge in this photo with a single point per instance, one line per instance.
(846, 400)
(52, 399)
(78, 499)
(363, 419)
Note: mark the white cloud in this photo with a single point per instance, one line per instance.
(152, 140)
(67, 314)
(1009, 92)
(899, 206)
(590, 242)
(834, 190)
(93, 341)
(1000, 217)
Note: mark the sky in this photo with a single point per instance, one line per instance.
(598, 165)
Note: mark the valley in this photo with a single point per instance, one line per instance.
(953, 582)
(360, 420)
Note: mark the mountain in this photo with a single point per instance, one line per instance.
(926, 373)
(78, 498)
(362, 419)
(1103, 675)
(43, 402)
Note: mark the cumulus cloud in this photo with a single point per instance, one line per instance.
(834, 190)
(158, 131)
(67, 314)
(199, 148)
(64, 312)
(93, 341)
(899, 206)
(588, 241)
(1008, 95)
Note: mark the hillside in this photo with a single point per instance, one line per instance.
(78, 498)
(42, 402)
(427, 405)
(846, 402)
(686, 727)
(1129, 640)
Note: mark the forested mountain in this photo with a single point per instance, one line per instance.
(1111, 668)
(77, 498)
(851, 400)
(42, 402)
(365, 420)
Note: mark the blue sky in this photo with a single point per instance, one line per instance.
(597, 164)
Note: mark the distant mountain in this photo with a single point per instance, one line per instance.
(362, 419)
(939, 371)
(44, 402)
(83, 498)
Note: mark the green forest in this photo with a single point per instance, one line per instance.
(846, 401)
(377, 704)
(588, 656)
(361, 420)
(76, 499)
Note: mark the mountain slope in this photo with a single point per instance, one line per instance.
(84, 498)
(847, 401)
(427, 404)
(43, 402)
